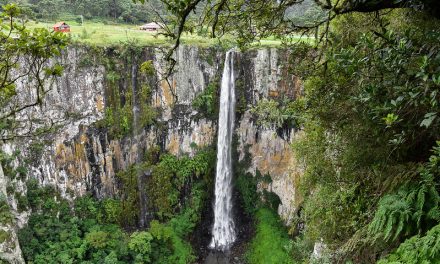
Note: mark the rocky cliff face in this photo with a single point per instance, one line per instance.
(82, 156)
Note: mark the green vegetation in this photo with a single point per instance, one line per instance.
(106, 10)
(105, 22)
(6, 216)
(9, 169)
(121, 82)
(207, 102)
(104, 34)
(418, 249)
(171, 176)
(270, 113)
(129, 198)
(56, 234)
(370, 136)
(271, 243)
(252, 198)
(370, 115)
(413, 208)
(242, 103)
(244, 181)
(4, 236)
(247, 186)
(93, 230)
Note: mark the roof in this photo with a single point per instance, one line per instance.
(59, 24)
(152, 25)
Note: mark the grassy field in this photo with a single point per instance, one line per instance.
(102, 34)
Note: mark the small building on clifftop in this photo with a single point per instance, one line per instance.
(61, 27)
(153, 27)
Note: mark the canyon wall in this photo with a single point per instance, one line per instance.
(84, 157)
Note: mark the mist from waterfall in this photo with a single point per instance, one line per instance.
(223, 232)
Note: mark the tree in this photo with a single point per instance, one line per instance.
(140, 243)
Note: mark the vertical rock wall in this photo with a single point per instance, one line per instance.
(270, 149)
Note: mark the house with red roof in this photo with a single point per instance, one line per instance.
(61, 27)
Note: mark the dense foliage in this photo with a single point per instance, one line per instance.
(171, 179)
(371, 119)
(56, 234)
(370, 116)
(371, 129)
(93, 231)
(417, 249)
(270, 113)
(207, 102)
(107, 10)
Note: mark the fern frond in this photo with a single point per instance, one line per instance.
(418, 249)
(393, 210)
(407, 209)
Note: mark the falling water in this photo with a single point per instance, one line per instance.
(140, 175)
(223, 233)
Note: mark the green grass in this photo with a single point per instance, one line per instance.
(101, 34)
(274, 42)
(271, 243)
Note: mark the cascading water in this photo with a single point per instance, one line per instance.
(140, 175)
(223, 233)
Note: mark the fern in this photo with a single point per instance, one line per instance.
(413, 208)
(425, 249)
(392, 214)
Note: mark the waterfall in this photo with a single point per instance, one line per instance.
(140, 175)
(223, 233)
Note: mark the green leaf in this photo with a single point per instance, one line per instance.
(428, 119)
(390, 119)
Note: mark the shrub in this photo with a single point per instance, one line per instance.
(4, 236)
(269, 113)
(140, 243)
(5, 211)
(207, 102)
(247, 186)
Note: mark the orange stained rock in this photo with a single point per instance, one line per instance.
(276, 163)
(166, 92)
(100, 103)
(173, 146)
(117, 154)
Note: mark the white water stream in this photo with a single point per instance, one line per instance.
(223, 232)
